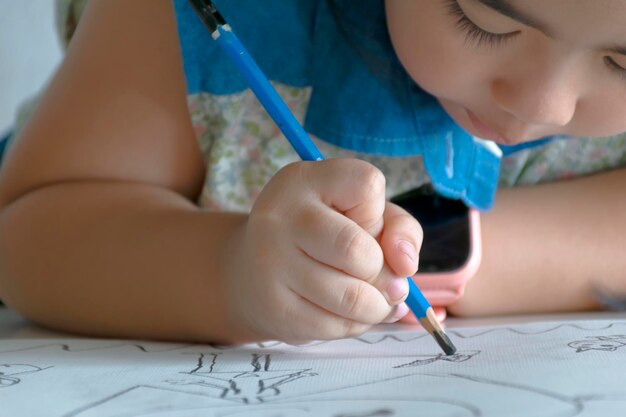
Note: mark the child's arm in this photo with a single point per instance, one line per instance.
(95, 194)
(549, 247)
(99, 233)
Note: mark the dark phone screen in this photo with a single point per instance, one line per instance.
(446, 244)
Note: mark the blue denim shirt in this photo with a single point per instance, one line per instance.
(362, 99)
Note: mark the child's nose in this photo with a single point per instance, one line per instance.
(538, 97)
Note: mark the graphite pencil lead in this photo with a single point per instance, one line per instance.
(444, 342)
(432, 326)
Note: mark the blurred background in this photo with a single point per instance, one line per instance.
(29, 53)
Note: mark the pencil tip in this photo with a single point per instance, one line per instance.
(444, 342)
(432, 326)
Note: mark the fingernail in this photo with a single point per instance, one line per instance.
(398, 289)
(401, 311)
(409, 250)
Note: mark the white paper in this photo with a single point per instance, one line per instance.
(542, 369)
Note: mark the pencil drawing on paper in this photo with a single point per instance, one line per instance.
(9, 372)
(248, 386)
(425, 360)
(376, 413)
(496, 370)
(606, 343)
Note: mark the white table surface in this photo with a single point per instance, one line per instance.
(13, 326)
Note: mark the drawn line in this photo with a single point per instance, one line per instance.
(513, 330)
(127, 390)
(363, 384)
(100, 402)
(376, 413)
(475, 411)
(67, 348)
(256, 367)
(8, 381)
(391, 337)
(457, 332)
(199, 365)
(38, 368)
(578, 406)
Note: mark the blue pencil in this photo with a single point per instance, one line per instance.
(298, 138)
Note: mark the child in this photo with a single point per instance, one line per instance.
(115, 222)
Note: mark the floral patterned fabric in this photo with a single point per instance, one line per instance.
(244, 149)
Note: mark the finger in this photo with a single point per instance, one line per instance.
(354, 188)
(401, 240)
(362, 257)
(332, 239)
(308, 321)
(399, 312)
(394, 288)
(338, 293)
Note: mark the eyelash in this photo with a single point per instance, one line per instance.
(615, 67)
(473, 33)
(480, 37)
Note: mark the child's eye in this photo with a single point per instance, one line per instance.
(613, 65)
(472, 31)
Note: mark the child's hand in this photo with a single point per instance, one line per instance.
(310, 263)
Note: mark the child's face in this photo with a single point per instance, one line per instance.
(518, 70)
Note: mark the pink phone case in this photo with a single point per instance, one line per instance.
(442, 289)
